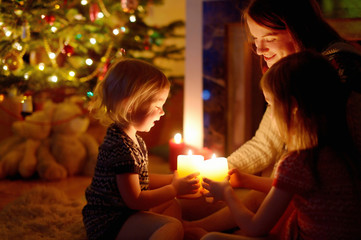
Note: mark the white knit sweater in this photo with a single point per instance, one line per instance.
(264, 149)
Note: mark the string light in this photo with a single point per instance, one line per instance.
(17, 46)
(53, 79)
(52, 55)
(115, 31)
(41, 66)
(8, 33)
(72, 74)
(93, 41)
(132, 18)
(89, 62)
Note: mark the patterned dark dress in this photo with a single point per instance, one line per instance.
(328, 210)
(105, 211)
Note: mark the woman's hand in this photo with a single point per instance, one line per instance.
(185, 185)
(216, 189)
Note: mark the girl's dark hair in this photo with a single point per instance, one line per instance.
(302, 18)
(310, 101)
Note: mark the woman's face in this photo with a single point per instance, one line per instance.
(272, 44)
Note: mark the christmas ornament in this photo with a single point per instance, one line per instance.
(129, 5)
(50, 19)
(37, 56)
(68, 50)
(25, 31)
(26, 106)
(93, 11)
(13, 61)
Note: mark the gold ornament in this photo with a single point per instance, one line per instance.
(13, 61)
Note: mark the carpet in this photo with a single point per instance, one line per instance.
(43, 213)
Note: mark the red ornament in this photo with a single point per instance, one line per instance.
(93, 11)
(68, 50)
(129, 5)
(50, 19)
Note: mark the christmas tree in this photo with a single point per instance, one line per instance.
(70, 43)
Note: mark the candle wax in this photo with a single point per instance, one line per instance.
(215, 168)
(188, 164)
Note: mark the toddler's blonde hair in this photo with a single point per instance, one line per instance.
(128, 88)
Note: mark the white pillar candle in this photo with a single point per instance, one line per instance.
(215, 168)
(188, 164)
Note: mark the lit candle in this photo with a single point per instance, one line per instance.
(176, 147)
(215, 168)
(188, 164)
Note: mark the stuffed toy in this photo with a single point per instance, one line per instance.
(18, 152)
(69, 150)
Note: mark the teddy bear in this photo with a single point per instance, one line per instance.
(18, 153)
(69, 150)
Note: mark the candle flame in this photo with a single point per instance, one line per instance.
(213, 155)
(190, 152)
(178, 138)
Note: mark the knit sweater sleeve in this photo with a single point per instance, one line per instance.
(264, 149)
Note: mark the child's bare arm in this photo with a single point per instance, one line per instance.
(159, 180)
(129, 188)
(240, 179)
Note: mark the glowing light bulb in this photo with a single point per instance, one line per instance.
(8, 33)
(17, 46)
(53, 78)
(41, 66)
(89, 62)
(93, 41)
(52, 55)
(132, 18)
(115, 31)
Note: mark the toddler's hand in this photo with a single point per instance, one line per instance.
(185, 185)
(215, 189)
(238, 179)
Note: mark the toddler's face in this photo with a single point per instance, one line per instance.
(155, 111)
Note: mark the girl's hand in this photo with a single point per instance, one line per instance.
(185, 185)
(216, 189)
(238, 179)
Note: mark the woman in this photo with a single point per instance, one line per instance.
(279, 28)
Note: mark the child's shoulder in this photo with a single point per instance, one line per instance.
(115, 137)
